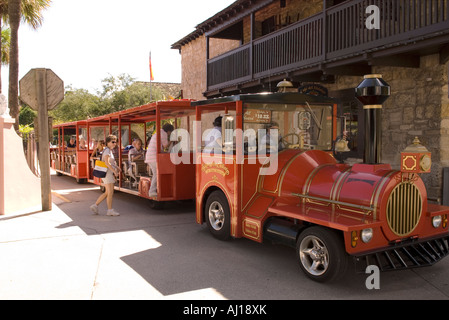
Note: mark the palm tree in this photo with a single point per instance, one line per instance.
(14, 7)
(3, 16)
(31, 12)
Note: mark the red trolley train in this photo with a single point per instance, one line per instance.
(295, 193)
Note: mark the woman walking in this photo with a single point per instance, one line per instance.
(108, 181)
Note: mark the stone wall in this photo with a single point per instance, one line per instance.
(418, 106)
(193, 63)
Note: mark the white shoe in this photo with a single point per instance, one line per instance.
(113, 213)
(94, 208)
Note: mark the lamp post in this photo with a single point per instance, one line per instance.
(372, 92)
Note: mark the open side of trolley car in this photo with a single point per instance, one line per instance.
(175, 181)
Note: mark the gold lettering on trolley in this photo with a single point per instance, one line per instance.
(215, 168)
(251, 229)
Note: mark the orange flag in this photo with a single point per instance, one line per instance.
(151, 70)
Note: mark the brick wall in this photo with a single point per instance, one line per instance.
(193, 64)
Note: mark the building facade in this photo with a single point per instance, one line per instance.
(253, 44)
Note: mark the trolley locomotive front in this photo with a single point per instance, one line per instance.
(328, 211)
(375, 214)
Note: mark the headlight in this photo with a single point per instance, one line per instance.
(366, 235)
(436, 221)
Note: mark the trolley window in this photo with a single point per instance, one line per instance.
(302, 126)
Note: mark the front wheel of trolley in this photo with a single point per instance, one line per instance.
(321, 255)
(217, 215)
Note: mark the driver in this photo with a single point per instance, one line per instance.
(272, 142)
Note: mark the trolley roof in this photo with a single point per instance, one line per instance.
(140, 114)
(283, 98)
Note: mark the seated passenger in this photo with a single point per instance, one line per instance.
(135, 153)
(83, 143)
(72, 143)
(96, 154)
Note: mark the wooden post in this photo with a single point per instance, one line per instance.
(42, 90)
(44, 147)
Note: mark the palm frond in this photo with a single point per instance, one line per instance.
(32, 12)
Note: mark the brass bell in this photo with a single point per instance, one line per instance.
(285, 86)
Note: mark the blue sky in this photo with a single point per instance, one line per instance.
(84, 41)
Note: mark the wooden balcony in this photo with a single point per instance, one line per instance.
(335, 39)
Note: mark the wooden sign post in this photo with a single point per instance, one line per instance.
(42, 90)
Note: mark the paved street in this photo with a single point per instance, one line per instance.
(68, 253)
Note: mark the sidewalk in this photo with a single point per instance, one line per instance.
(68, 253)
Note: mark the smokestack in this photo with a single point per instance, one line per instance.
(372, 92)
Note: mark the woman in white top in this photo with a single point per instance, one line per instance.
(108, 181)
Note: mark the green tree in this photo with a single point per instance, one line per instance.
(113, 84)
(78, 104)
(118, 93)
(121, 92)
(27, 116)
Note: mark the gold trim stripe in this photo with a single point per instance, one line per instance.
(340, 203)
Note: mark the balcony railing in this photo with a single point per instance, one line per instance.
(333, 34)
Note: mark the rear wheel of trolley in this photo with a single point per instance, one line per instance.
(217, 215)
(321, 255)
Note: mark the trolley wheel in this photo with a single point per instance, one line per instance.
(321, 255)
(217, 215)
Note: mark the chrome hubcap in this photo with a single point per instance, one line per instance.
(216, 215)
(314, 255)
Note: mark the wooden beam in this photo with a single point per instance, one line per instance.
(403, 60)
(347, 70)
